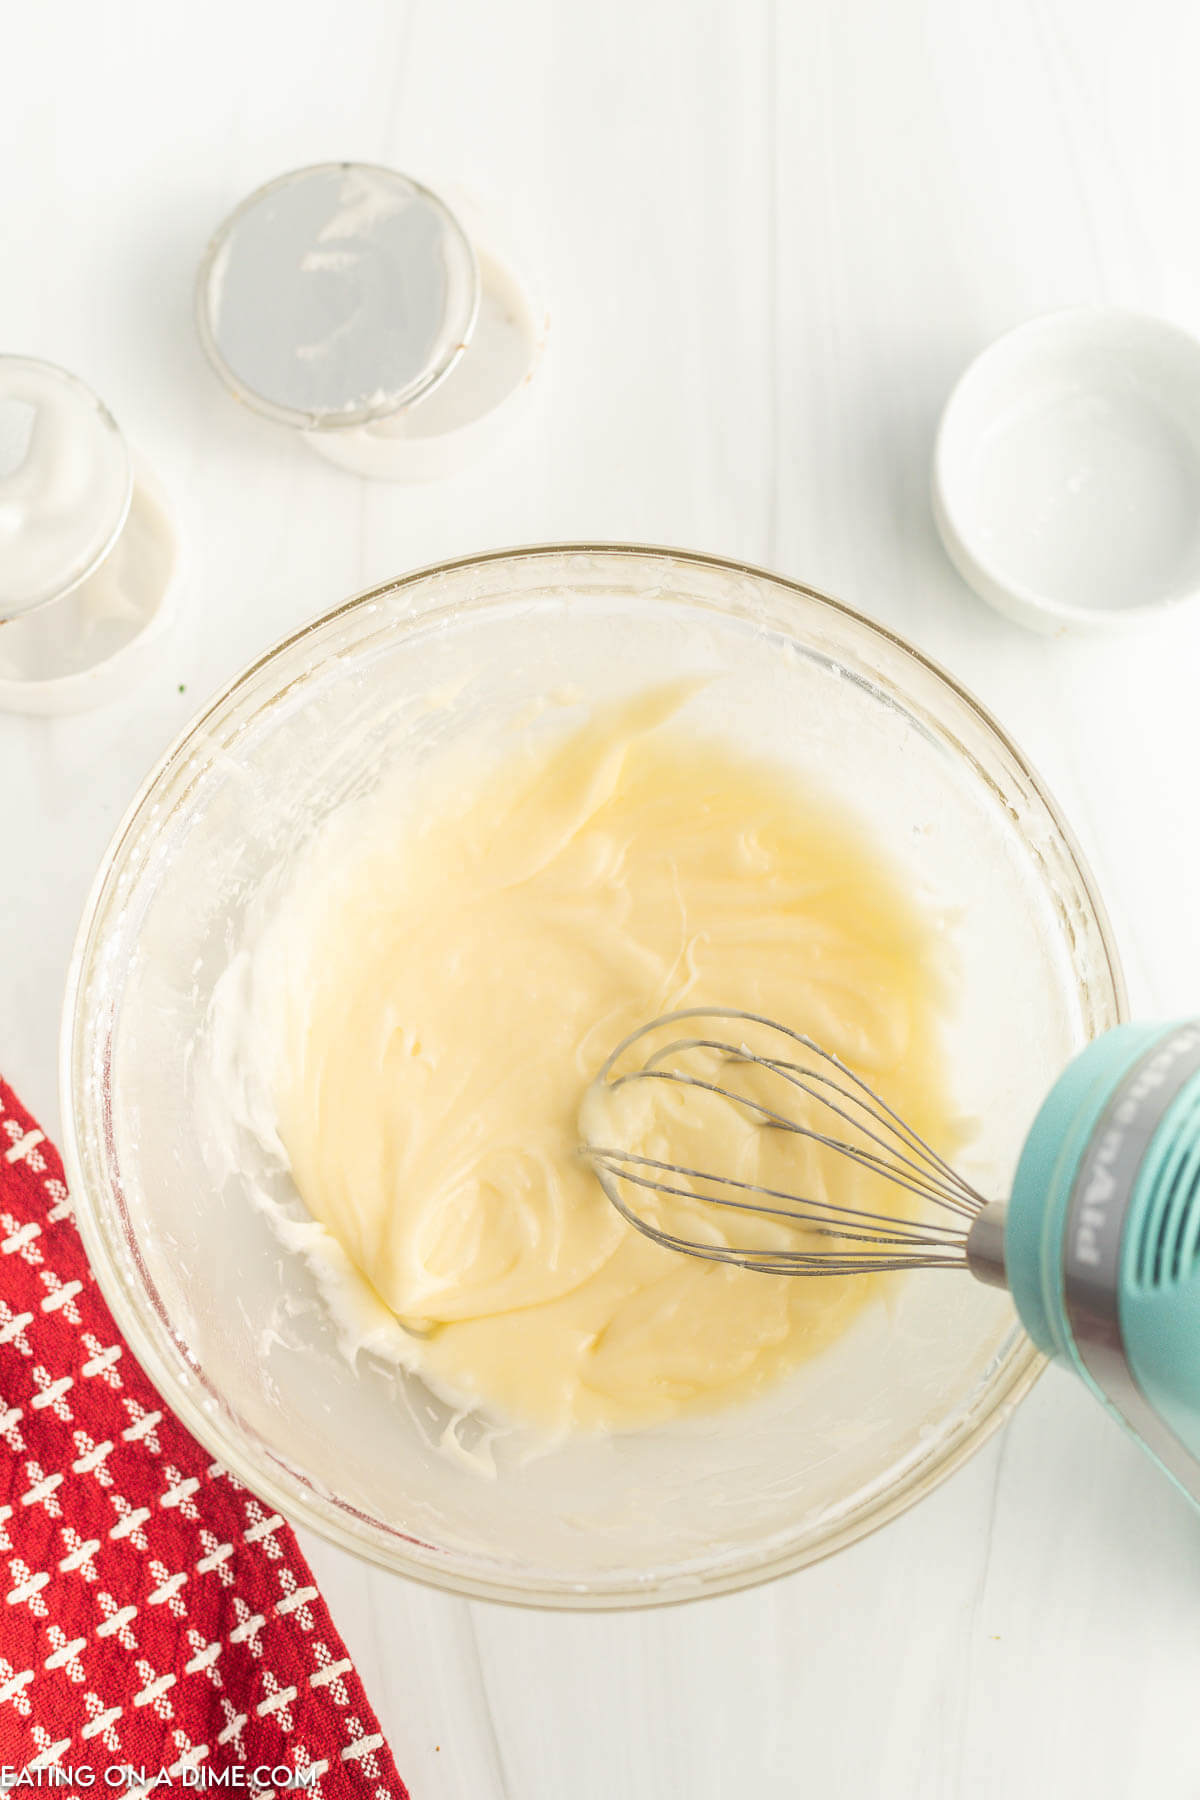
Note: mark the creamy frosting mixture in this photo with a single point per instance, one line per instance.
(436, 994)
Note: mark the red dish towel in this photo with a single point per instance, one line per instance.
(155, 1617)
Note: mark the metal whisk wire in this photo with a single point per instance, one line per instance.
(900, 1155)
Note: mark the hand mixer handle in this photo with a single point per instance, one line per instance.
(1102, 1234)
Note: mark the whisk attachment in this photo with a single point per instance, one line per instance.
(781, 1080)
(1098, 1242)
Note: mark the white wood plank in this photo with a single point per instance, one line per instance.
(772, 235)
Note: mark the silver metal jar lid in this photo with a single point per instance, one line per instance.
(337, 295)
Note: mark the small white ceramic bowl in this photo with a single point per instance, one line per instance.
(1066, 476)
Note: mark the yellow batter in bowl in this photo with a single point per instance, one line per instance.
(442, 983)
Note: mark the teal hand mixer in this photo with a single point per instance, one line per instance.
(1098, 1242)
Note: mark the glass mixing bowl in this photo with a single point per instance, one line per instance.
(229, 1323)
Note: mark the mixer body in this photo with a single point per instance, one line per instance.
(1102, 1237)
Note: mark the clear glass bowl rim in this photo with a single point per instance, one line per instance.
(302, 1504)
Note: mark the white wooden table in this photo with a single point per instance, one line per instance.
(773, 231)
